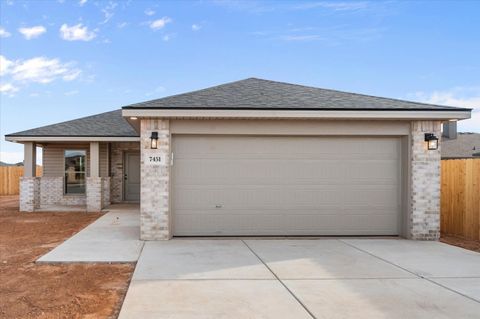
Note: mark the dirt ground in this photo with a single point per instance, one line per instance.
(464, 243)
(29, 290)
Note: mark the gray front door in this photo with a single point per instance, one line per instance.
(132, 177)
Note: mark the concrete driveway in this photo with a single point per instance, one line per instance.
(325, 278)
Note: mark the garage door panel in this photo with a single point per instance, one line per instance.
(255, 172)
(269, 223)
(248, 197)
(244, 185)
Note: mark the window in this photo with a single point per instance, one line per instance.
(75, 171)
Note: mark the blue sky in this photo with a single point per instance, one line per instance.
(62, 60)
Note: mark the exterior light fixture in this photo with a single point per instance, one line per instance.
(133, 118)
(432, 141)
(154, 140)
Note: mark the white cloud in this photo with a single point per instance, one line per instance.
(36, 70)
(196, 27)
(108, 12)
(33, 32)
(5, 65)
(468, 97)
(160, 23)
(43, 70)
(82, 2)
(122, 25)
(4, 33)
(8, 89)
(76, 33)
(149, 12)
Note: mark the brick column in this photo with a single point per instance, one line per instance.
(424, 183)
(29, 184)
(155, 181)
(29, 194)
(94, 194)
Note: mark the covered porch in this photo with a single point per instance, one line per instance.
(85, 176)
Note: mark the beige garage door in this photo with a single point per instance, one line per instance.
(259, 185)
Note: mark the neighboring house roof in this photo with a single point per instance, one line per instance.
(258, 94)
(464, 146)
(109, 124)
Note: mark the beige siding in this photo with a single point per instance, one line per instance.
(104, 160)
(53, 159)
(286, 127)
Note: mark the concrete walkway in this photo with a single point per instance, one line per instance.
(325, 278)
(113, 237)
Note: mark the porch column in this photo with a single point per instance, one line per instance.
(29, 183)
(94, 192)
(424, 221)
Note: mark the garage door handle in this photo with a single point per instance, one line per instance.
(218, 206)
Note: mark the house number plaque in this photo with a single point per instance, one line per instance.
(155, 159)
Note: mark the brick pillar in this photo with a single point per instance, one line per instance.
(94, 194)
(155, 181)
(424, 183)
(29, 194)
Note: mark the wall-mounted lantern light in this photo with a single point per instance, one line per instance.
(432, 141)
(154, 140)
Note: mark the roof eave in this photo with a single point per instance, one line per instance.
(60, 138)
(446, 114)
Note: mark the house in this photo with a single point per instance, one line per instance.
(252, 157)
(459, 145)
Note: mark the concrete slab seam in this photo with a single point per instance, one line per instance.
(419, 276)
(281, 282)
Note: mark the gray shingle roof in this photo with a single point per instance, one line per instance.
(110, 124)
(261, 94)
(466, 145)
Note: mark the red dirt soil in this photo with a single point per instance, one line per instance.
(29, 290)
(463, 243)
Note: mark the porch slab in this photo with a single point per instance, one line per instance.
(114, 237)
(424, 258)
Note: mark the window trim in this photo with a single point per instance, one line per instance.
(64, 172)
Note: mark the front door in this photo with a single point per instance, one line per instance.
(132, 177)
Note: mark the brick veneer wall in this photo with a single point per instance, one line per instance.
(424, 183)
(116, 168)
(155, 223)
(52, 193)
